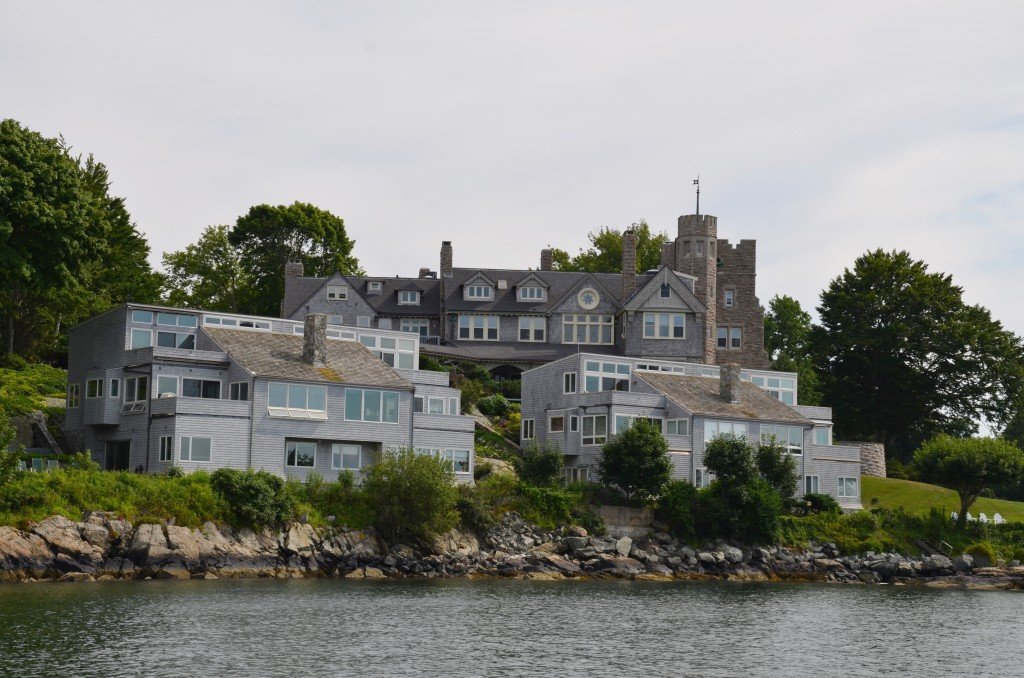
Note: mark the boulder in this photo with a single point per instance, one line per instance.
(963, 563)
(23, 554)
(827, 564)
(936, 564)
(576, 531)
(623, 546)
(732, 554)
(65, 537)
(76, 576)
(575, 543)
(149, 546)
(456, 543)
(185, 544)
(300, 539)
(706, 558)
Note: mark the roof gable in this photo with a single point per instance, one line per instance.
(588, 280)
(653, 286)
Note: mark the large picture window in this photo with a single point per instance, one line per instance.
(299, 401)
(372, 406)
(595, 429)
(783, 388)
(622, 422)
(791, 438)
(713, 429)
(300, 454)
(478, 327)
(848, 488)
(664, 326)
(347, 457)
(194, 449)
(588, 328)
(600, 376)
(141, 338)
(176, 340)
(200, 388)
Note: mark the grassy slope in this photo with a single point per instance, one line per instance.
(917, 498)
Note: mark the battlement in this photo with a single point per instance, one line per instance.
(698, 225)
(740, 257)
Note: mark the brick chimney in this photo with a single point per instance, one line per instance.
(546, 259)
(293, 269)
(628, 264)
(314, 340)
(446, 259)
(729, 382)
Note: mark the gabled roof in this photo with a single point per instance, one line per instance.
(297, 292)
(664, 275)
(592, 280)
(532, 280)
(480, 277)
(279, 356)
(700, 396)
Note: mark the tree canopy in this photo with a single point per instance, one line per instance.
(208, 274)
(605, 252)
(902, 357)
(787, 330)
(636, 460)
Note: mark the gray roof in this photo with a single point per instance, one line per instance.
(297, 290)
(700, 396)
(279, 356)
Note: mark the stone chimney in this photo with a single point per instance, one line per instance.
(426, 273)
(314, 340)
(628, 264)
(546, 260)
(293, 269)
(729, 382)
(446, 259)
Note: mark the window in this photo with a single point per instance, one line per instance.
(420, 326)
(239, 390)
(677, 427)
(458, 458)
(144, 317)
(94, 388)
(348, 457)
(556, 424)
(141, 338)
(822, 435)
(166, 448)
(409, 297)
(588, 299)
(576, 474)
(730, 298)
(595, 429)
(701, 478)
(417, 404)
(244, 323)
(622, 422)
(730, 337)
(200, 388)
(74, 395)
(782, 388)
(300, 454)
(176, 340)
(587, 328)
(362, 321)
(848, 488)
(569, 382)
(177, 319)
(700, 248)
(664, 326)
(115, 388)
(366, 405)
(435, 405)
(165, 384)
(453, 406)
(528, 429)
(791, 438)
(392, 351)
(334, 319)
(713, 429)
(136, 392)
(480, 292)
(605, 376)
(374, 286)
(666, 290)
(531, 328)
(194, 449)
(478, 327)
(337, 292)
(574, 424)
(531, 293)
(300, 401)
(810, 484)
(687, 247)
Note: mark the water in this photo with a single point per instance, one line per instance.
(504, 628)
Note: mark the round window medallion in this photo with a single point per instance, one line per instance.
(589, 299)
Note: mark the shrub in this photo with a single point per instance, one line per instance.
(741, 503)
(675, 507)
(494, 406)
(636, 460)
(8, 458)
(731, 459)
(541, 466)
(255, 498)
(411, 495)
(23, 386)
(778, 467)
(511, 388)
(472, 392)
(983, 553)
(820, 503)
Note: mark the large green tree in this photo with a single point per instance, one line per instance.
(787, 330)
(208, 274)
(605, 252)
(904, 358)
(636, 460)
(268, 236)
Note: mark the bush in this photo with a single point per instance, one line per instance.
(541, 466)
(820, 503)
(411, 496)
(23, 386)
(675, 508)
(472, 392)
(778, 467)
(494, 406)
(255, 498)
(749, 512)
(511, 388)
(636, 460)
(983, 553)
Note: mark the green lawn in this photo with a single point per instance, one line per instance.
(918, 498)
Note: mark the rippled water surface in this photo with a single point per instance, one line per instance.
(505, 628)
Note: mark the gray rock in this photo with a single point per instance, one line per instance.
(575, 543)
(623, 546)
(732, 554)
(936, 564)
(963, 563)
(706, 558)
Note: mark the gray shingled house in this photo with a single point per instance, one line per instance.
(151, 387)
(578, 402)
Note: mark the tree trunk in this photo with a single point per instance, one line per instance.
(965, 504)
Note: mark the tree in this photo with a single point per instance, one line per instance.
(411, 495)
(1014, 431)
(636, 460)
(903, 358)
(787, 329)
(268, 236)
(968, 466)
(605, 253)
(208, 274)
(778, 468)
(540, 466)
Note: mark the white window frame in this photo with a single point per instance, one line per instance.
(736, 338)
(235, 387)
(780, 388)
(702, 477)
(843, 487)
(296, 443)
(453, 405)
(479, 292)
(666, 291)
(362, 405)
(202, 388)
(374, 286)
(134, 390)
(812, 484)
(552, 418)
(629, 419)
(420, 326)
(185, 452)
(337, 292)
(139, 332)
(657, 322)
(532, 293)
(485, 324)
(594, 438)
(465, 458)
(74, 396)
(408, 297)
(609, 376)
(146, 317)
(783, 435)
(435, 400)
(730, 298)
(166, 448)
(529, 429)
(719, 426)
(677, 424)
(534, 325)
(363, 320)
(574, 423)
(338, 455)
(827, 430)
(575, 324)
(288, 411)
(165, 377)
(97, 392)
(568, 382)
(191, 321)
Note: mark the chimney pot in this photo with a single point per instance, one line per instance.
(546, 259)
(314, 340)
(729, 382)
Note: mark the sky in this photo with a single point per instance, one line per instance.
(822, 130)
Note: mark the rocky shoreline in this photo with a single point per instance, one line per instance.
(104, 547)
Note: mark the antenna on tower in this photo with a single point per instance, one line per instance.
(696, 182)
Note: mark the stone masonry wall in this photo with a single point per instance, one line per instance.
(872, 457)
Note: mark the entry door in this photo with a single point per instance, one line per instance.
(116, 455)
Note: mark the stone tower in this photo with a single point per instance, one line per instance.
(694, 253)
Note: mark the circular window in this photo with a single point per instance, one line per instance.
(588, 299)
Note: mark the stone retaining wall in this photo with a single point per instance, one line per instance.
(872, 457)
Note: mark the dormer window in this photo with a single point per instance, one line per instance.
(337, 292)
(666, 291)
(478, 292)
(409, 297)
(374, 286)
(531, 293)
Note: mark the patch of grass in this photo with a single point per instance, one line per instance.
(919, 498)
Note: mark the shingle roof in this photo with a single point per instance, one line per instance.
(700, 395)
(297, 290)
(271, 354)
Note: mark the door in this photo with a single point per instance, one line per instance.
(116, 455)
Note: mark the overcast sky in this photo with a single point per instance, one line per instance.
(821, 131)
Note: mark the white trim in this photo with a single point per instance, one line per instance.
(131, 338)
(551, 418)
(593, 430)
(74, 399)
(670, 325)
(816, 483)
(415, 297)
(181, 449)
(169, 449)
(532, 324)
(177, 384)
(669, 422)
(296, 412)
(239, 384)
(299, 442)
(362, 405)
(111, 389)
(341, 456)
(840, 488)
(99, 389)
(565, 380)
(529, 429)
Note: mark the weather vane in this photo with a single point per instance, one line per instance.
(696, 182)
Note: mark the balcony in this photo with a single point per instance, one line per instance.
(834, 453)
(212, 407)
(443, 422)
(621, 398)
(145, 356)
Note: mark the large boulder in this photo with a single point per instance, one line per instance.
(149, 547)
(623, 546)
(23, 554)
(300, 539)
(65, 537)
(963, 563)
(937, 564)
